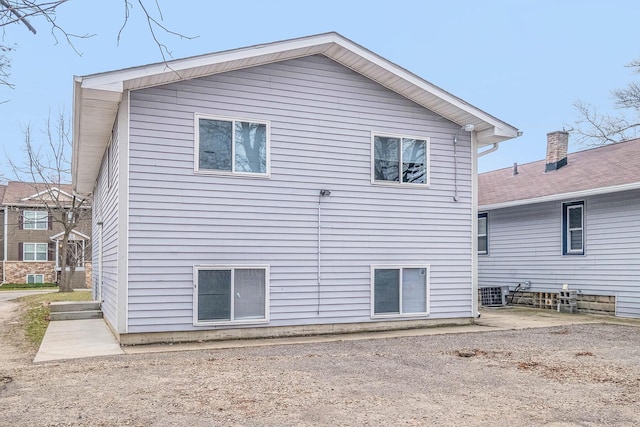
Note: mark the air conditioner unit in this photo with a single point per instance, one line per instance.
(494, 296)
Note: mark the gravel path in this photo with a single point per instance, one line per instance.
(581, 375)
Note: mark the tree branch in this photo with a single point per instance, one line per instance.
(19, 17)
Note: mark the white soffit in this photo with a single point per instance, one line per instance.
(97, 96)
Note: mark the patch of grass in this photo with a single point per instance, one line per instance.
(14, 286)
(35, 318)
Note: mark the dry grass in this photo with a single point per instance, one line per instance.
(35, 316)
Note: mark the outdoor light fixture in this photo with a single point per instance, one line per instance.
(325, 192)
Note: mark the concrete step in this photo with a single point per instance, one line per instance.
(63, 306)
(75, 315)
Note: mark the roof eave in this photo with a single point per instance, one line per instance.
(563, 196)
(97, 96)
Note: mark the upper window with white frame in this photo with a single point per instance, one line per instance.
(35, 220)
(232, 146)
(573, 228)
(231, 294)
(35, 251)
(483, 233)
(400, 160)
(400, 291)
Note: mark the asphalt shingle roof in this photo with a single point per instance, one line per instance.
(602, 167)
(14, 192)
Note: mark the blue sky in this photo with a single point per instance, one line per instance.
(525, 62)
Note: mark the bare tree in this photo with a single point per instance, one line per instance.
(595, 128)
(48, 168)
(23, 12)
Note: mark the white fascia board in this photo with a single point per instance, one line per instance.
(499, 127)
(51, 190)
(563, 196)
(114, 80)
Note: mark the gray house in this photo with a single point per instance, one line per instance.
(569, 220)
(304, 186)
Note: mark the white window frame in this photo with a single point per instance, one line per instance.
(484, 215)
(374, 315)
(232, 172)
(35, 252)
(35, 281)
(35, 222)
(198, 322)
(374, 181)
(566, 232)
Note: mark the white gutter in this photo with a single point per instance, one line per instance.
(555, 197)
(490, 150)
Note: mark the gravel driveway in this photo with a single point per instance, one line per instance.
(582, 375)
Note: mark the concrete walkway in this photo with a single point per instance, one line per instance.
(71, 339)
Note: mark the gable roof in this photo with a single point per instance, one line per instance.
(97, 96)
(18, 193)
(606, 169)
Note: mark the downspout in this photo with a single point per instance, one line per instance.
(4, 258)
(319, 251)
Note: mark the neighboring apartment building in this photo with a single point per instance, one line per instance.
(572, 219)
(31, 237)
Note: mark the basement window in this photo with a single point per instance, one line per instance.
(35, 278)
(230, 294)
(400, 291)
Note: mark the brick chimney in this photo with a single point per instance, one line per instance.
(557, 145)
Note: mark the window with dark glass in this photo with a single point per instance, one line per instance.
(232, 146)
(573, 228)
(400, 160)
(230, 294)
(399, 291)
(483, 233)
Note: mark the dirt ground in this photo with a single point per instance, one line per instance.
(580, 375)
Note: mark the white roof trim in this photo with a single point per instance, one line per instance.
(77, 233)
(97, 96)
(563, 196)
(49, 191)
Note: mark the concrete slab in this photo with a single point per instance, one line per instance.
(89, 338)
(490, 320)
(72, 339)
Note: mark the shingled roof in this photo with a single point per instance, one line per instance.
(26, 193)
(612, 167)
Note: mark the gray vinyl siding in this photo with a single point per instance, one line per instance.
(106, 211)
(321, 116)
(525, 243)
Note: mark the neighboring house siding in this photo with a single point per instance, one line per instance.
(106, 211)
(525, 244)
(321, 116)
